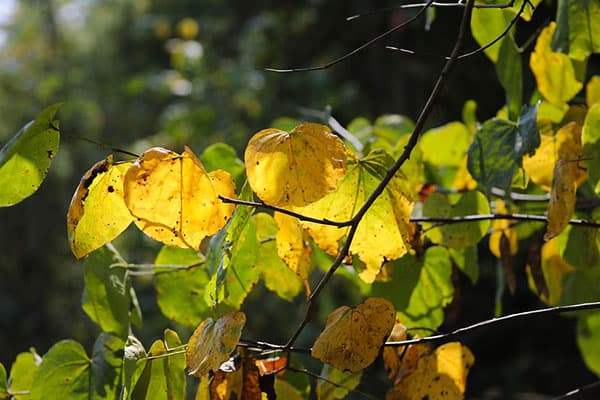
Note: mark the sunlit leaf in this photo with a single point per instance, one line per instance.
(383, 233)
(180, 292)
(162, 377)
(295, 168)
(592, 91)
(509, 71)
(222, 156)
(579, 21)
(240, 383)
(336, 384)
(98, 213)
(487, 25)
(392, 127)
(420, 287)
(590, 138)
(502, 227)
(580, 246)
(588, 340)
(25, 159)
(567, 174)
(456, 235)
(441, 375)
(292, 246)
(553, 71)
(554, 269)
(108, 295)
(466, 260)
(212, 343)
(3, 383)
(446, 145)
(21, 374)
(401, 361)
(276, 275)
(174, 200)
(353, 336)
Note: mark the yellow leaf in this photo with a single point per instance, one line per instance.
(240, 380)
(295, 168)
(592, 91)
(568, 174)
(212, 342)
(441, 375)
(554, 268)
(502, 227)
(554, 72)
(565, 144)
(353, 336)
(383, 233)
(174, 200)
(463, 181)
(292, 246)
(98, 213)
(401, 361)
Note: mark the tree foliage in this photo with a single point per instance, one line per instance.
(396, 211)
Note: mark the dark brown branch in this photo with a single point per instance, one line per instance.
(358, 49)
(104, 146)
(591, 391)
(412, 142)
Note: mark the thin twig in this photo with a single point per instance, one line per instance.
(335, 126)
(484, 217)
(104, 146)
(358, 49)
(582, 392)
(412, 142)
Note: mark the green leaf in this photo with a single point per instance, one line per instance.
(22, 373)
(588, 340)
(65, 372)
(510, 74)
(466, 260)
(107, 296)
(579, 246)
(25, 159)
(337, 384)
(420, 287)
(528, 136)
(106, 366)
(3, 383)
(578, 28)
(275, 273)
(487, 25)
(180, 292)
(581, 286)
(174, 367)
(445, 145)
(222, 156)
(458, 235)
(392, 127)
(590, 138)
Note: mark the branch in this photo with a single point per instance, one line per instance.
(322, 378)
(516, 217)
(412, 142)
(104, 146)
(583, 392)
(358, 49)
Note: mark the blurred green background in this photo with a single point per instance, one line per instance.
(141, 73)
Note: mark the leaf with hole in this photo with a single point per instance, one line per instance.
(353, 336)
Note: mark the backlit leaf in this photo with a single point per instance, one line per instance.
(420, 287)
(502, 227)
(25, 159)
(174, 200)
(487, 25)
(383, 233)
(292, 246)
(108, 295)
(295, 168)
(592, 91)
(3, 383)
(401, 361)
(588, 340)
(442, 375)
(579, 22)
(241, 383)
(466, 260)
(580, 246)
(353, 336)
(337, 384)
(590, 138)
(180, 292)
(445, 145)
(554, 268)
(98, 213)
(22, 372)
(509, 72)
(553, 71)
(212, 343)
(457, 235)
(276, 275)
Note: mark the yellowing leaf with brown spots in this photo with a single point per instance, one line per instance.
(353, 336)
(441, 375)
(212, 342)
(98, 213)
(292, 246)
(383, 233)
(236, 380)
(295, 168)
(568, 173)
(566, 142)
(400, 361)
(553, 71)
(502, 227)
(174, 200)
